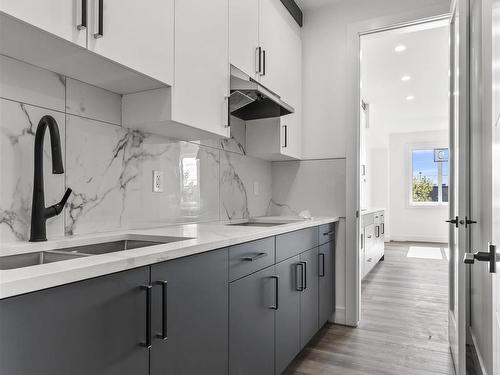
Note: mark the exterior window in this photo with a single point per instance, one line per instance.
(429, 184)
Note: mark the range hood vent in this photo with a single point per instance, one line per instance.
(250, 100)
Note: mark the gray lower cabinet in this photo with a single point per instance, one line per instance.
(252, 303)
(288, 313)
(190, 315)
(93, 327)
(326, 281)
(309, 323)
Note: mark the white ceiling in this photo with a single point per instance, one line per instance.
(310, 4)
(425, 60)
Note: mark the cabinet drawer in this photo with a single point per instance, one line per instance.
(326, 233)
(370, 236)
(250, 257)
(293, 243)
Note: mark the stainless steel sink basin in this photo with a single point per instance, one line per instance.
(74, 252)
(262, 222)
(256, 224)
(32, 259)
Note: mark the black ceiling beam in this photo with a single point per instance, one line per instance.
(294, 10)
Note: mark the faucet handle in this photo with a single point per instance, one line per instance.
(56, 209)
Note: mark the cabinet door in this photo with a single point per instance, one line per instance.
(326, 281)
(244, 35)
(288, 313)
(309, 323)
(251, 324)
(89, 327)
(137, 34)
(59, 17)
(202, 65)
(195, 319)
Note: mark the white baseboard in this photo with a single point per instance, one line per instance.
(338, 317)
(419, 239)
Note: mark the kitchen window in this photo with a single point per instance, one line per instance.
(429, 177)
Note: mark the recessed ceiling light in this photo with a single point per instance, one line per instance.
(410, 98)
(405, 78)
(400, 48)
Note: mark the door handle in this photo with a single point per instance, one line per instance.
(100, 20)
(83, 23)
(258, 58)
(164, 304)
(148, 289)
(276, 292)
(263, 62)
(491, 256)
(453, 221)
(304, 276)
(285, 136)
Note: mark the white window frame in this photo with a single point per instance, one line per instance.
(409, 155)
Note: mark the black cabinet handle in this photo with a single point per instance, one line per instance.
(258, 256)
(362, 240)
(148, 290)
(100, 19)
(328, 233)
(258, 53)
(322, 265)
(285, 128)
(276, 292)
(164, 321)
(263, 62)
(299, 267)
(83, 22)
(304, 275)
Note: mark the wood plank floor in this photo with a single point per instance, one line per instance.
(403, 330)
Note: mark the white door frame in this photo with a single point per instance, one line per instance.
(354, 32)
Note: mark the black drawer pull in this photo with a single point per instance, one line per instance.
(148, 289)
(304, 275)
(263, 62)
(258, 256)
(164, 321)
(83, 22)
(328, 233)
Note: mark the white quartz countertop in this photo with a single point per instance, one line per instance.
(203, 237)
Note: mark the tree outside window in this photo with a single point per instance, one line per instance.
(429, 176)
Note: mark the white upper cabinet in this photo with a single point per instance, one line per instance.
(201, 83)
(244, 35)
(59, 17)
(136, 34)
(281, 43)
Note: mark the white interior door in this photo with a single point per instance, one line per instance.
(459, 154)
(483, 114)
(496, 176)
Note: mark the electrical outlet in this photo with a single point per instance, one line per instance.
(157, 182)
(256, 187)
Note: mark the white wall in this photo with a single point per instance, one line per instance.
(330, 96)
(326, 63)
(411, 223)
(318, 186)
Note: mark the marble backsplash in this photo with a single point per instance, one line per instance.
(110, 168)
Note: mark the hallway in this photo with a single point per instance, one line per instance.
(404, 321)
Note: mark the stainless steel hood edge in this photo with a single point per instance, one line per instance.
(249, 100)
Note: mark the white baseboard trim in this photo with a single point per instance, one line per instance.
(476, 351)
(419, 239)
(338, 317)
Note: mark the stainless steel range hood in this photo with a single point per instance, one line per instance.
(250, 100)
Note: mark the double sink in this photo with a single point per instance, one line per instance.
(50, 256)
(128, 242)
